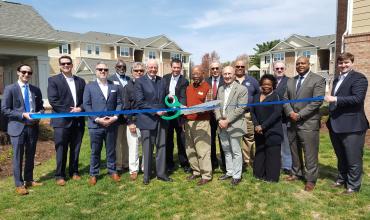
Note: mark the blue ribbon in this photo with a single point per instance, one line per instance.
(140, 111)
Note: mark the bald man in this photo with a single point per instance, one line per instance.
(304, 123)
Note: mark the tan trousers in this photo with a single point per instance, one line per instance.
(121, 148)
(198, 147)
(248, 144)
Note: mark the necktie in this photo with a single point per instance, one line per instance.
(299, 83)
(214, 88)
(122, 76)
(26, 99)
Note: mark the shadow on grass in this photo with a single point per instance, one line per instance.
(327, 172)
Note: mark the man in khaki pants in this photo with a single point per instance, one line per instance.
(198, 129)
(252, 85)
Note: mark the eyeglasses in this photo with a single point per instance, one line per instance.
(138, 71)
(214, 68)
(239, 67)
(279, 68)
(24, 72)
(102, 69)
(120, 66)
(64, 64)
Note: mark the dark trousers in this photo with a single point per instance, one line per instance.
(97, 137)
(267, 161)
(150, 138)
(348, 148)
(25, 144)
(214, 159)
(67, 137)
(174, 125)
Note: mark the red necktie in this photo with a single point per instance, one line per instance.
(214, 88)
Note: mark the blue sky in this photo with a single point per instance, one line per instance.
(230, 27)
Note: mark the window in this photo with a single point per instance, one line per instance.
(267, 59)
(175, 56)
(184, 59)
(65, 49)
(307, 53)
(97, 50)
(278, 56)
(124, 52)
(89, 49)
(151, 55)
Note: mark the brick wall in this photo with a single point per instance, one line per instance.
(359, 46)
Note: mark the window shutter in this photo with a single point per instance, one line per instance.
(60, 49)
(131, 51)
(118, 51)
(69, 48)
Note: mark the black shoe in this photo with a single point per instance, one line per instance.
(349, 191)
(171, 170)
(187, 169)
(165, 179)
(235, 182)
(146, 182)
(224, 177)
(287, 171)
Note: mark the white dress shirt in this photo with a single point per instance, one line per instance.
(227, 94)
(72, 87)
(217, 81)
(304, 77)
(340, 80)
(123, 81)
(173, 84)
(21, 84)
(104, 88)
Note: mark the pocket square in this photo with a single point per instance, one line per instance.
(115, 82)
(113, 91)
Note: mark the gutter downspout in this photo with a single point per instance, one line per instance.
(348, 24)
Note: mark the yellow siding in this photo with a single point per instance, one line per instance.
(361, 16)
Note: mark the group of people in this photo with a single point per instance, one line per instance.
(262, 137)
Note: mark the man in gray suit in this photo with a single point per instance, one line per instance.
(20, 99)
(232, 123)
(304, 122)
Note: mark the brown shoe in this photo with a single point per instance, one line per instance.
(92, 181)
(291, 178)
(133, 176)
(192, 177)
(203, 182)
(309, 187)
(21, 190)
(76, 177)
(60, 182)
(33, 184)
(115, 177)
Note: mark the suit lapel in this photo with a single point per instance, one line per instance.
(64, 81)
(347, 79)
(110, 87)
(19, 95)
(99, 89)
(33, 97)
(295, 86)
(306, 80)
(334, 85)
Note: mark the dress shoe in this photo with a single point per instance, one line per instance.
(33, 184)
(165, 179)
(115, 177)
(21, 190)
(76, 177)
(292, 178)
(203, 182)
(92, 180)
(192, 177)
(337, 184)
(349, 191)
(287, 171)
(133, 176)
(187, 169)
(146, 182)
(309, 187)
(60, 182)
(171, 170)
(224, 177)
(235, 182)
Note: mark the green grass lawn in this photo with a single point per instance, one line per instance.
(252, 199)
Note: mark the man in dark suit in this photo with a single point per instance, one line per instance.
(286, 156)
(19, 100)
(121, 80)
(176, 85)
(150, 94)
(215, 81)
(347, 123)
(102, 95)
(65, 92)
(304, 122)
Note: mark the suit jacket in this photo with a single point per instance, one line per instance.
(61, 100)
(180, 89)
(149, 95)
(12, 106)
(94, 101)
(269, 118)
(233, 113)
(347, 115)
(280, 90)
(313, 85)
(122, 118)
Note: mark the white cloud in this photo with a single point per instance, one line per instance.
(84, 15)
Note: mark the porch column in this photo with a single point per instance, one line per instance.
(44, 74)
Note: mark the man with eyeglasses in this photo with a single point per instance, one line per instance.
(65, 94)
(215, 81)
(132, 132)
(19, 100)
(102, 95)
(252, 85)
(149, 94)
(286, 157)
(120, 79)
(176, 85)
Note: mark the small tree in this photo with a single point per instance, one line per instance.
(265, 46)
